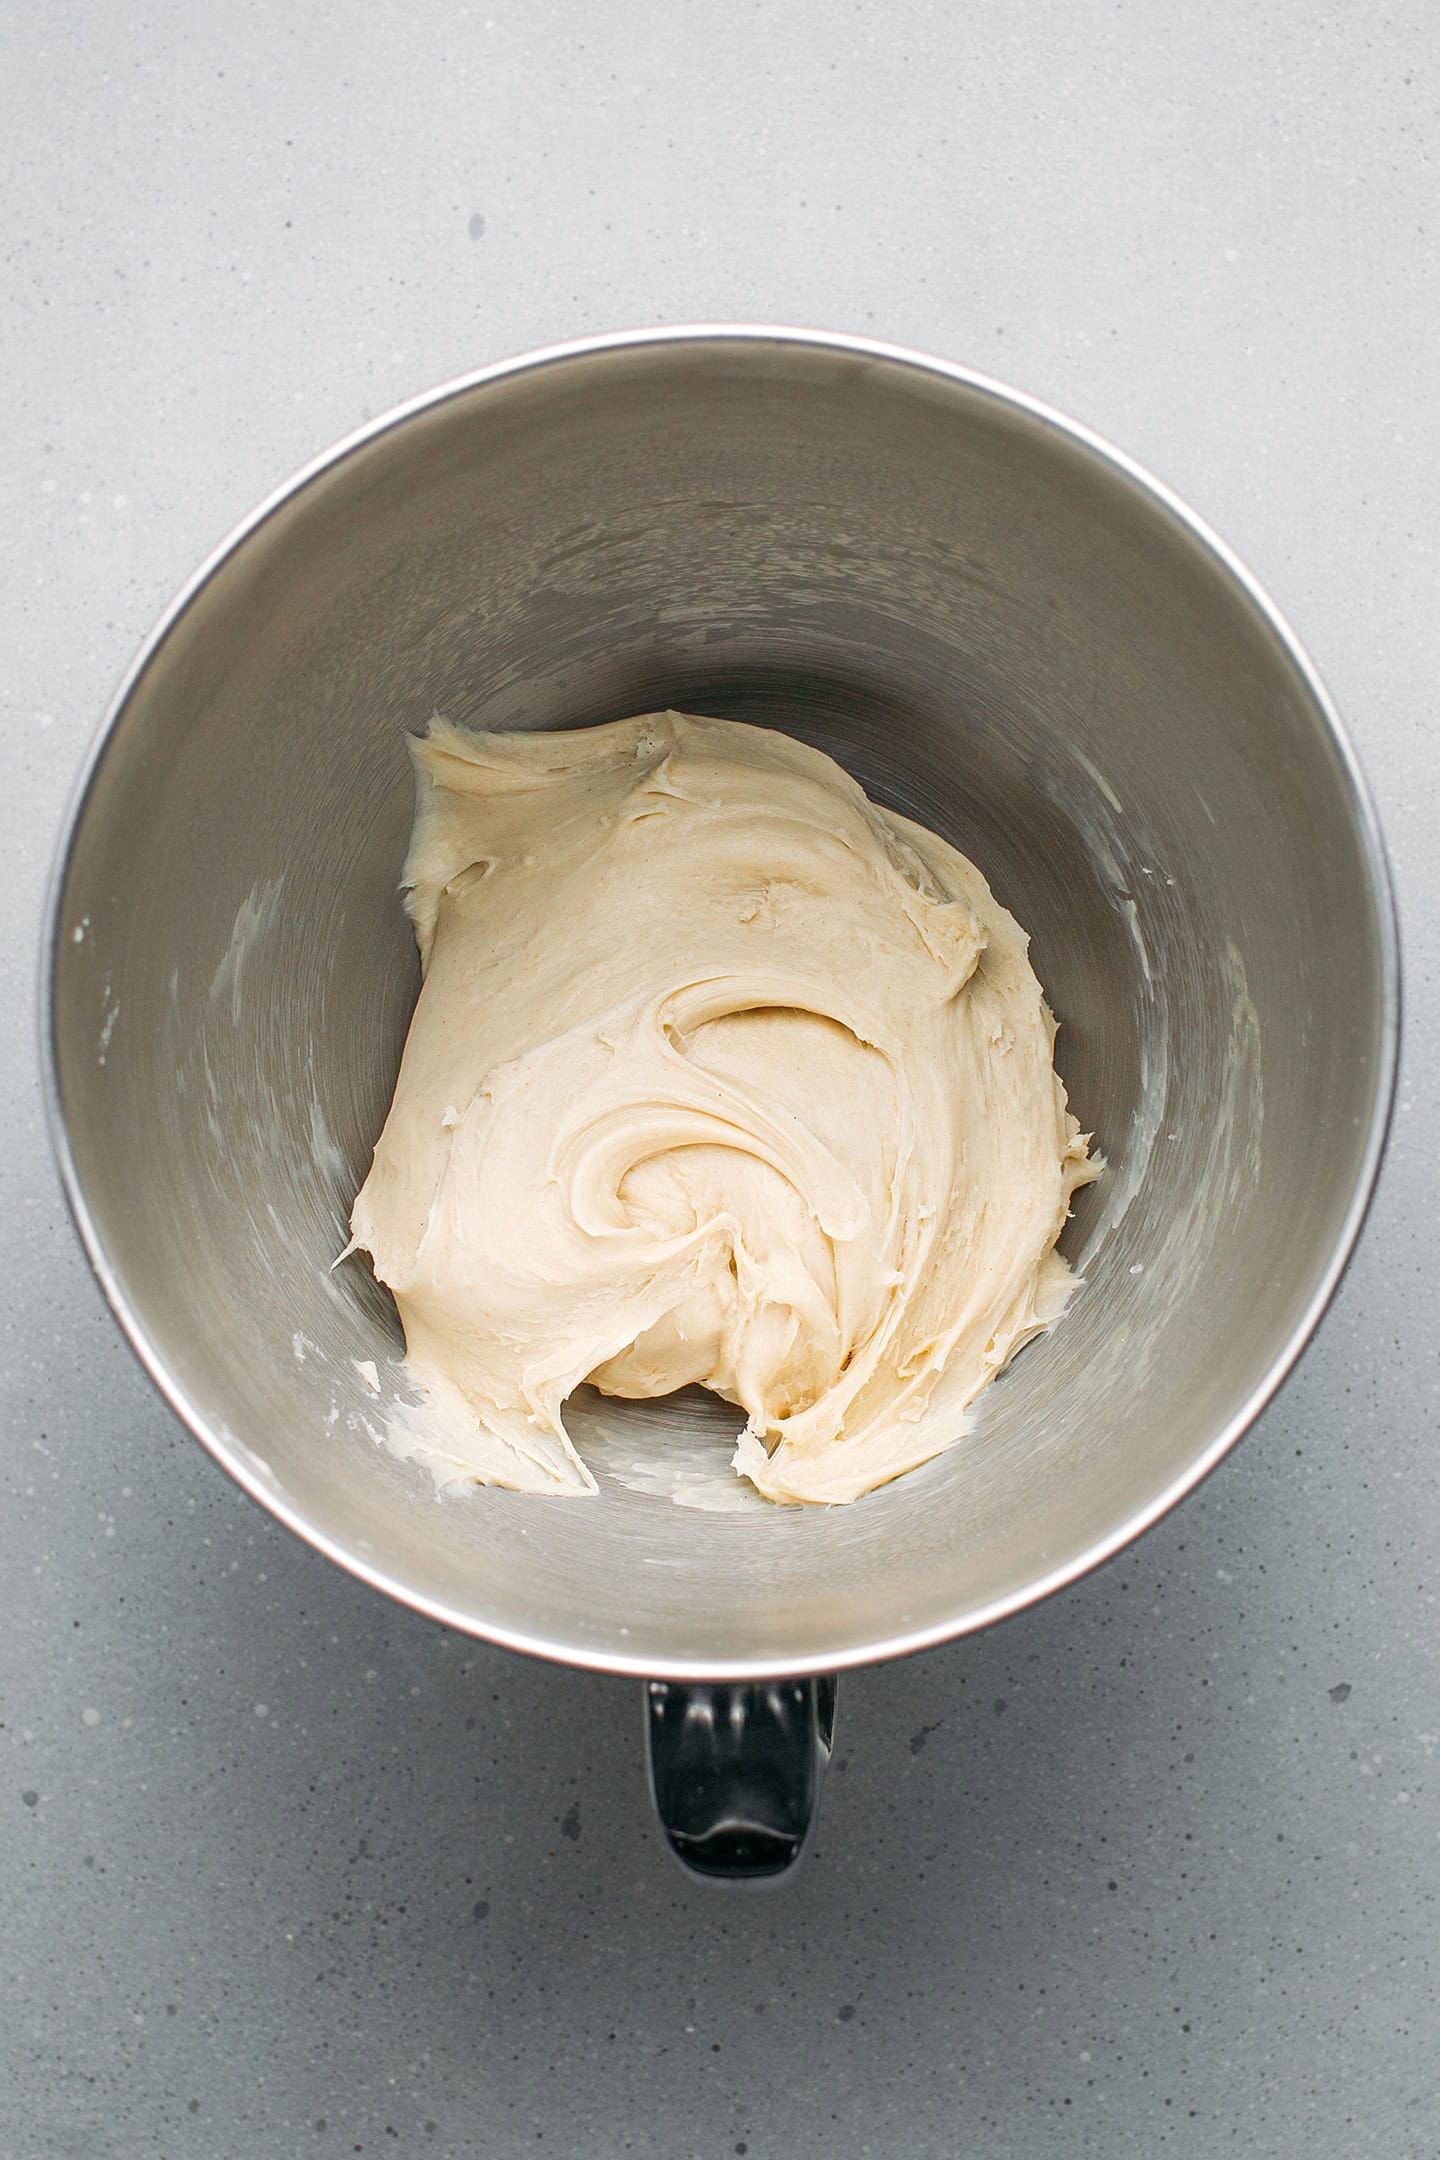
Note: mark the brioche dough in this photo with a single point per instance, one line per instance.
(719, 1074)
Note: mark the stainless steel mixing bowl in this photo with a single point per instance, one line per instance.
(1003, 629)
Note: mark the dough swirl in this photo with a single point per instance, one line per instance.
(719, 1074)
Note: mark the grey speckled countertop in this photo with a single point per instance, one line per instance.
(1151, 1869)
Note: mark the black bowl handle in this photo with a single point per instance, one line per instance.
(736, 1771)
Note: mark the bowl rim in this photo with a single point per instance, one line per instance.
(235, 1457)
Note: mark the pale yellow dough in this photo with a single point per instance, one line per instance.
(719, 1074)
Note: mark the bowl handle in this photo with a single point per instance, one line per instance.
(736, 1771)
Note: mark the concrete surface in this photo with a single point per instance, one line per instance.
(1153, 1869)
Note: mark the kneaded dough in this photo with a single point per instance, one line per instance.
(719, 1074)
